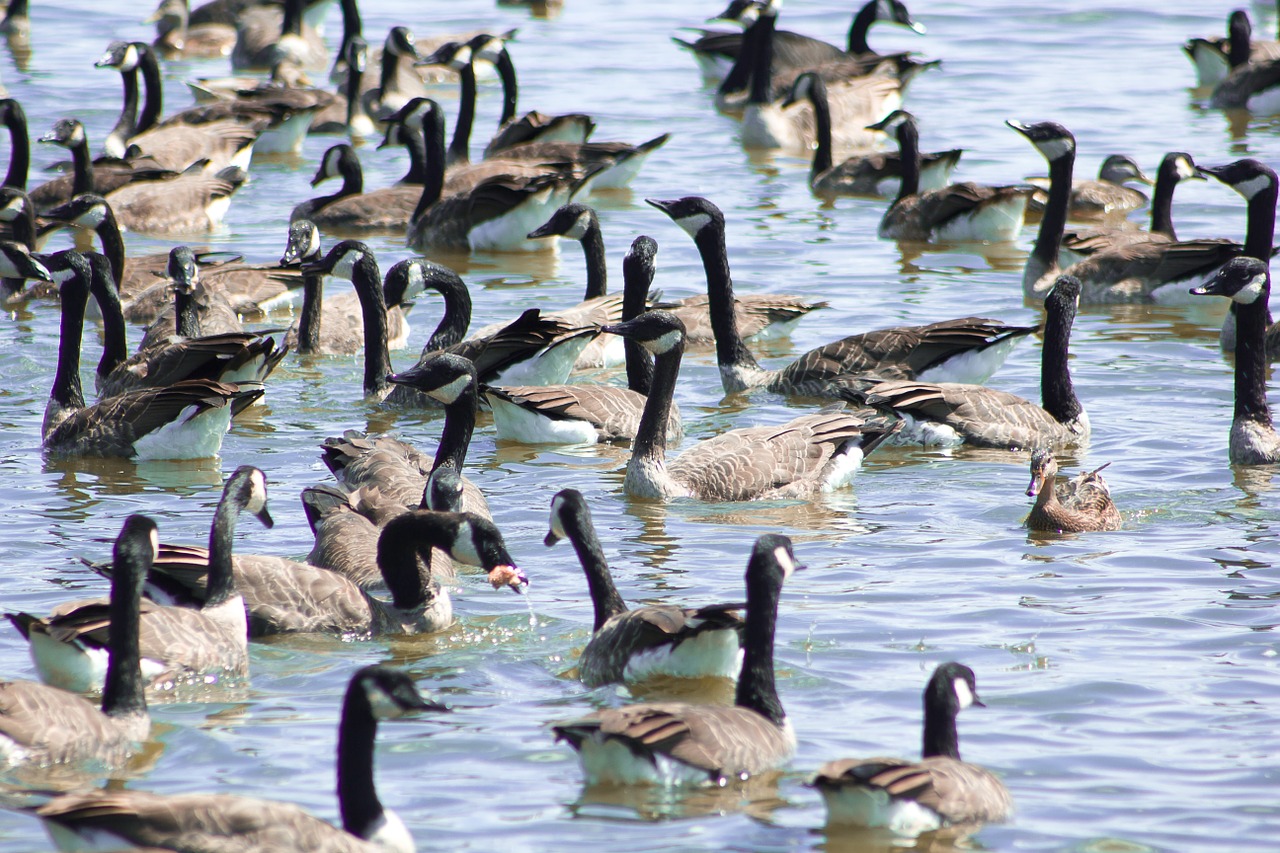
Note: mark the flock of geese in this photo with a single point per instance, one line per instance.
(399, 522)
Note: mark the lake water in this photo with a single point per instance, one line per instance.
(1131, 677)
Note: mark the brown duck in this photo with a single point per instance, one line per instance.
(1081, 504)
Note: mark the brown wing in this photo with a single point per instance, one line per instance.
(613, 411)
(982, 416)
(960, 793)
(54, 726)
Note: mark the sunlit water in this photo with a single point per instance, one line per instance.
(1130, 677)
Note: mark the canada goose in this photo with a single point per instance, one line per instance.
(42, 725)
(656, 640)
(965, 211)
(813, 453)
(266, 33)
(970, 347)
(911, 798)
(1136, 272)
(1107, 195)
(16, 24)
(1215, 57)
(1251, 84)
(178, 645)
(286, 101)
(855, 99)
(175, 37)
(351, 209)
(495, 215)
(1071, 507)
(227, 357)
(1246, 281)
(952, 413)
(222, 822)
(185, 420)
(861, 174)
(686, 744)
(196, 311)
(348, 114)
(191, 203)
(175, 146)
(716, 51)
(14, 120)
(1258, 185)
(577, 414)
(18, 221)
(100, 176)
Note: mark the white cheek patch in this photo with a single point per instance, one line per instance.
(1252, 291)
(963, 694)
(694, 223)
(313, 241)
(464, 546)
(557, 526)
(346, 265)
(62, 275)
(452, 391)
(77, 135)
(462, 58)
(331, 162)
(417, 281)
(382, 705)
(257, 491)
(580, 226)
(1057, 147)
(1252, 186)
(665, 343)
(784, 560)
(1185, 169)
(93, 217)
(155, 544)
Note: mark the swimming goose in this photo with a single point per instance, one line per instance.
(1071, 507)
(223, 822)
(813, 453)
(965, 211)
(578, 414)
(715, 52)
(952, 413)
(1258, 185)
(178, 645)
(266, 33)
(42, 725)
(677, 743)
(640, 643)
(196, 310)
(1137, 272)
(101, 176)
(1106, 196)
(970, 347)
(1246, 281)
(861, 174)
(348, 114)
(176, 37)
(1252, 85)
(351, 209)
(185, 420)
(16, 26)
(911, 798)
(14, 119)
(1215, 57)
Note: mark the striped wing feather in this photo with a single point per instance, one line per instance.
(983, 416)
(56, 727)
(613, 411)
(959, 792)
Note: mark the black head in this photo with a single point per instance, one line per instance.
(60, 267)
(1179, 166)
(66, 132)
(88, 210)
(14, 203)
(136, 548)
(1242, 279)
(1238, 24)
(894, 12)
(400, 42)
(692, 213)
(1065, 293)
(341, 260)
(952, 688)
(568, 509)
(1248, 177)
(455, 54)
(336, 162)
(444, 490)
(1119, 168)
(1050, 138)
(303, 244)
(417, 113)
(441, 376)
(657, 331)
(390, 693)
(894, 122)
(772, 562)
(120, 55)
(643, 252)
(803, 88)
(743, 11)
(572, 220)
(247, 486)
(182, 269)
(394, 134)
(356, 54)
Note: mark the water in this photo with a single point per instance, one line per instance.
(1130, 677)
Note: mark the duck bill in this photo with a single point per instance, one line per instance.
(509, 576)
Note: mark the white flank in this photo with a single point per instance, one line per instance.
(551, 366)
(842, 468)
(217, 209)
(931, 433)
(389, 834)
(76, 667)
(286, 137)
(1178, 292)
(1266, 102)
(1211, 65)
(709, 654)
(872, 808)
(508, 232)
(611, 763)
(992, 222)
(973, 367)
(516, 423)
(196, 434)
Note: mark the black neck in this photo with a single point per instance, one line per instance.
(367, 282)
(412, 140)
(291, 25)
(861, 25)
(940, 738)
(82, 165)
(352, 26)
(115, 346)
(762, 64)
(126, 125)
(636, 279)
(651, 436)
(19, 144)
(309, 319)
(1162, 200)
(459, 423)
(739, 76)
(186, 323)
(123, 692)
(822, 159)
(453, 326)
(401, 541)
(756, 688)
(1056, 390)
(1251, 359)
(387, 70)
(357, 797)
(909, 149)
(67, 391)
(17, 10)
(593, 251)
(351, 90)
(604, 595)
(154, 103)
(731, 350)
(1238, 43)
(108, 231)
(1049, 240)
(221, 580)
(459, 148)
(1261, 226)
(433, 186)
(510, 90)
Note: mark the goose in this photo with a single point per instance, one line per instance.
(679, 744)
(228, 357)
(1137, 272)
(495, 215)
(1213, 57)
(18, 265)
(185, 420)
(758, 315)
(911, 798)
(1104, 197)
(352, 210)
(176, 37)
(861, 174)
(284, 107)
(178, 645)
(284, 596)
(1257, 184)
(18, 218)
(953, 413)
(966, 211)
(813, 453)
(969, 349)
(1073, 507)
(196, 310)
(1246, 281)
(101, 176)
(16, 25)
(1252, 85)
(42, 725)
(266, 33)
(586, 414)
(716, 51)
(14, 119)
(656, 640)
(223, 822)
(194, 202)
(349, 112)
